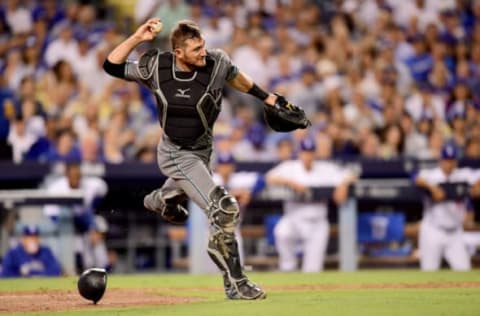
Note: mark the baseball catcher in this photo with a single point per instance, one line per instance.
(187, 83)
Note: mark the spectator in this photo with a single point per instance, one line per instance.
(308, 91)
(414, 142)
(424, 103)
(255, 58)
(169, 11)
(87, 67)
(360, 114)
(20, 139)
(219, 30)
(421, 62)
(65, 148)
(366, 54)
(18, 17)
(404, 78)
(90, 147)
(472, 149)
(50, 11)
(62, 48)
(34, 118)
(30, 258)
(15, 69)
(370, 146)
(254, 146)
(392, 142)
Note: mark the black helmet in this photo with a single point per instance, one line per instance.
(92, 284)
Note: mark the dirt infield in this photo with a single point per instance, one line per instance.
(57, 300)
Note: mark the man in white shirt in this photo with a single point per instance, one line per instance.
(62, 48)
(83, 215)
(425, 103)
(306, 222)
(441, 230)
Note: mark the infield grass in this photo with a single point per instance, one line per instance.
(364, 293)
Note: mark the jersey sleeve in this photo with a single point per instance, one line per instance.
(423, 174)
(332, 174)
(94, 188)
(344, 174)
(283, 170)
(52, 267)
(244, 180)
(470, 176)
(477, 175)
(10, 268)
(229, 70)
(57, 186)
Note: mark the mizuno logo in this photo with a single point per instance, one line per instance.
(182, 93)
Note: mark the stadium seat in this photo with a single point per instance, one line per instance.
(377, 232)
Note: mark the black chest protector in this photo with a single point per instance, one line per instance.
(187, 107)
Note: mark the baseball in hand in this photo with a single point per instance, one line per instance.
(156, 27)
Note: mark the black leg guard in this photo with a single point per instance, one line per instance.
(223, 214)
(170, 208)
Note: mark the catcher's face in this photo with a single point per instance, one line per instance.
(192, 55)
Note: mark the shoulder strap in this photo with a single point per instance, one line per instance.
(205, 73)
(165, 60)
(146, 63)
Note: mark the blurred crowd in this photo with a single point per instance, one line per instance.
(378, 78)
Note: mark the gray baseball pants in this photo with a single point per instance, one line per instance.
(188, 172)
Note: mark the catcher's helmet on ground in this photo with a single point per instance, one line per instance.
(92, 284)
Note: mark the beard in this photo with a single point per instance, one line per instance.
(196, 62)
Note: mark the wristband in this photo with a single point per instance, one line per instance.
(256, 91)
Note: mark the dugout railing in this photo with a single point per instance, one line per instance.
(134, 233)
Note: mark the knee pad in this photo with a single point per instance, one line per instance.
(223, 210)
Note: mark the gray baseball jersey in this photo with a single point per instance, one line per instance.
(188, 105)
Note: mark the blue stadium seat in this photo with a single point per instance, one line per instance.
(378, 231)
(374, 227)
(270, 222)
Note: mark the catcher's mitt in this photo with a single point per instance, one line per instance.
(285, 116)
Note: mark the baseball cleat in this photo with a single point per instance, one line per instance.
(245, 290)
(170, 210)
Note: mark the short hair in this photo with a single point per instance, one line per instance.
(183, 31)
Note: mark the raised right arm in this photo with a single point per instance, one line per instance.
(115, 63)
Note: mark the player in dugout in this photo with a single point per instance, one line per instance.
(30, 258)
(441, 228)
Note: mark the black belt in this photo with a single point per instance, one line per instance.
(194, 147)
